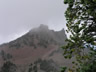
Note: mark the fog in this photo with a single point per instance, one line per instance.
(17, 17)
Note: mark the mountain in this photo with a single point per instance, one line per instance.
(37, 51)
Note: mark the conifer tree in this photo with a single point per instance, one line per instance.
(81, 23)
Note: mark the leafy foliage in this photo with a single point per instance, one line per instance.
(5, 56)
(48, 66)
(8, 67)
(63, 69)
(16, 45)
(81, 23)
(89, 67)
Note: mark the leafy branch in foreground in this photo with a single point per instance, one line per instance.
(81, 23)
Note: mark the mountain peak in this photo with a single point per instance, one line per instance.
(62, 30)
(42, 26)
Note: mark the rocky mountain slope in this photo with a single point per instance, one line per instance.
(37, 51)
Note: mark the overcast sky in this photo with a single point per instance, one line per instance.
(19, 16)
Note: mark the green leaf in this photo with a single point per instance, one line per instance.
(65, 1)
(94, 0)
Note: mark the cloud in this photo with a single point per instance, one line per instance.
(18, 16)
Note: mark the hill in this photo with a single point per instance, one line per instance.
(37, 51)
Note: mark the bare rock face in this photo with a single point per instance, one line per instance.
(37, 51)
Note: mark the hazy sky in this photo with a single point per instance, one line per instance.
(19, 16)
